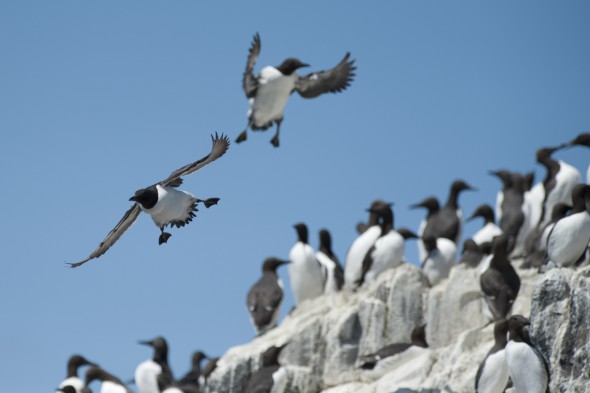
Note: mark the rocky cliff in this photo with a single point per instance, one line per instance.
(326, 336)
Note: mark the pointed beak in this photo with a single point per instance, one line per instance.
(143, 342)
(132, 199)
(416, 206)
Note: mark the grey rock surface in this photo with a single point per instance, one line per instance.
(326, 335)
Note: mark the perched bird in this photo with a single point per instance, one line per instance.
(265, 297)
(569, 237)
(72, 379)
(581, 140)
(191, 378)
(492, 374)
(513, 215)
(418, 338)
(325, 256)
(162, 201)
(559, 182)
(505, 177)
(109, 383)
(489, 229)
(440, 258)
(153, 374)
(262, 380)
(448, 221)
(527, 367)
(208, 370)
(500, 282)
(361, 245)
(306, 274)
(269, 91)
(472, 254)
(432, 206)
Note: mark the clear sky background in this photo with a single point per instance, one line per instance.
(100, 99)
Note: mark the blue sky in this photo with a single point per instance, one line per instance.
(101, 99)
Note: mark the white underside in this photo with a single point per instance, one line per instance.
(111, 387)
(388, 253)
(280, 379)
(526, 370)
(566, 180)
(271, 96)
(494, 376)
(74, 382)
(172, 205)
(440, 261)
(172, 389)
(421, 249)
(357, 252)
(146, 376)
(569, 239)
(486, 233)
(499, 200)
(330, 285)
(305, 273)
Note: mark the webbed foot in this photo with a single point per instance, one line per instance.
(275, 141)
(242, 137)
(164, 237)
(210, 202)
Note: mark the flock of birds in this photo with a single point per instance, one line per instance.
(546, 224)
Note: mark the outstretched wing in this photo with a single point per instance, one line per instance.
(249, 81)
(114, 235)
(220, 146)
(331, 81)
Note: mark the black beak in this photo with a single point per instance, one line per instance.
(132, 199)
(148, 343)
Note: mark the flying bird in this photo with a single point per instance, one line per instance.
(162, 201)
(269, 91)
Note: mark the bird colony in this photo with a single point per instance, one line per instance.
(544, 226)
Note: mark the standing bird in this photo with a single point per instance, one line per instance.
(569, 237)
(560, 180)
(72, 379)
(269, 91)
(500, 282)
(306, 274)
(418, 339)
(492, 374)
(361, 245)
(265, 297)
(162, 201)
(334, 271)
(489, 229)
(191, 378)
(432, 206)
(506, 178)
(263, 379)
(527, 367)
(109, 383)
(154, 373)
(448, 221)
(440, 258)
(581, 140)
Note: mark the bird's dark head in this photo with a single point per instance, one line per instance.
(516, 325)
(430, 203)
(271, 264)
(146, 197)
(504, 176)
(325, 239)
(544, 154)
(484, 211)
(78, 361)
(461, 185)
(198, 356)
(302, 234)
(470, 245)
(160, 347)
(291, 65)
(270, 357)
(582, 140)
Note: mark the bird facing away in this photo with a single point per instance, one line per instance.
(306, 273)
(500, 282)
(569, 237)
(432, 206)
(333, 268)
(492, 374)
(265, 297)
(191, 378)
(109, 383)
(72, 379)
(163, 202)
(418, 338)
(440, 258)
(527, 367)
(261, 381)
(269, 91)
(489, 229)
(153, 374)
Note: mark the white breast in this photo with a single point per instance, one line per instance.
(357, 252)
(486, 233)
(421, 249)
(172, 205)
(494, 376)
(271, 96)
(305, 273)
(330, 286)
(111, 387)
(499, 200)
(440, 261)
(146, 374)
(569, 239)
(565, 181)
(74, 382)
(526, 369)
(388, 253)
